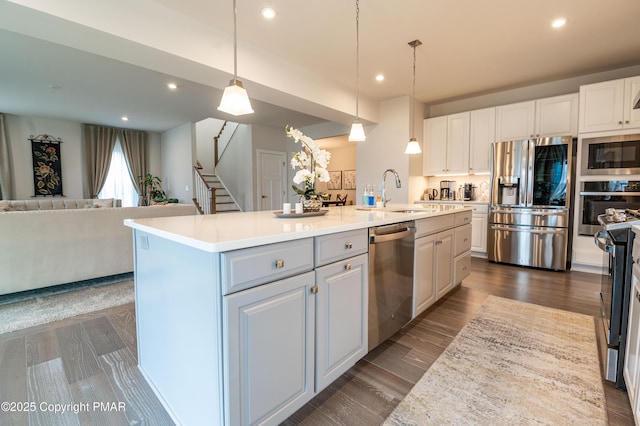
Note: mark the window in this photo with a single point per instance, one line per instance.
(118, 183)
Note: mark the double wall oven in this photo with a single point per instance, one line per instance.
(611, 166)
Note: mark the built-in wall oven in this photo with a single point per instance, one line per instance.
(596, 196)
(611, 155)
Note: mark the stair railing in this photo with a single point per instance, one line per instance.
(204, 195)
(221, 141)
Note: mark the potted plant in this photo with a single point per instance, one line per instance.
(313, 163)
(151, 189)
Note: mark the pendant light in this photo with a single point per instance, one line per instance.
(413, 147)
(357, 131)
(235, 100)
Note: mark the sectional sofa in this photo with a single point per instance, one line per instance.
(57, 241)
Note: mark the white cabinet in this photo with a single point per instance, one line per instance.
(270, 350)
(438, 241)
(341, 317)
(632, 350)
(609, 105)
(424, 289)
(446, 144)
(482, 133)
(515, 121)
(554, 116)
(479, 221)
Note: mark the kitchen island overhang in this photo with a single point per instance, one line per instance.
(214, 304)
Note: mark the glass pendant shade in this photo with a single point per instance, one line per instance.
(413, 147)
(235, 100)
(357, 132)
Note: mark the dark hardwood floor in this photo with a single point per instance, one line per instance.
(92, 358)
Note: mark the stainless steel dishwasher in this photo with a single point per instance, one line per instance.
(390, 279)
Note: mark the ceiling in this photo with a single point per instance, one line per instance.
(469, 48)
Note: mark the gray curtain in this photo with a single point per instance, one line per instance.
(97, 146)
(134, 146)
(6, 185)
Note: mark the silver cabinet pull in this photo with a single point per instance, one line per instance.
(347, 266)
(348, 246)
(279, 263)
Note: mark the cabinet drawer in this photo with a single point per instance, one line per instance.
(335, 247)
(463, 218)
(462, 238)
(461, 267)
(434, 224)
(480, 209)
(253, 266)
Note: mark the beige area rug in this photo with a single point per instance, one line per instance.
(514, 363)
(41, 310)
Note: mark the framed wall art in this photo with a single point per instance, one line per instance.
(47, 165)
(350, 179)
(336, 180)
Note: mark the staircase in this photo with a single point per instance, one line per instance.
(223, 201)
(211, 196)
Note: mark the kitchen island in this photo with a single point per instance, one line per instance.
(243, 317)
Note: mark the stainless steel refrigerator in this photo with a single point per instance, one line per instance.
(531, 209)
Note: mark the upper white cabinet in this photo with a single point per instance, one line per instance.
(446, 144)
(482, 133)
(608, 105)
(553, 116)
(515, 121)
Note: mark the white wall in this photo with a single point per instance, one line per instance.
(384, 149)
(537, 91)
(20, 128)
(206, 131)
(178, 158)
(236, 166)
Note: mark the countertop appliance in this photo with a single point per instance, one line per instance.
(530, 214)
(390, 279)
(447, 189)
(615, 239)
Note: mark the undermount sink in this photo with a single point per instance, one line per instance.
(392, 210)
(414, 210)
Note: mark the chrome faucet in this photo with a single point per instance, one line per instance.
(383, 195)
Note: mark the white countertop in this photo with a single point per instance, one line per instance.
(231, 231)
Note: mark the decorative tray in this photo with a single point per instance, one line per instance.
(307, 214)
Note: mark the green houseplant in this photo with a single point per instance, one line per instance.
(151, 189)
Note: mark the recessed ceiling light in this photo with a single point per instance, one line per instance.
(379, 77)
(125, 118)
(268, 12)
(172, 86)
(560, 22)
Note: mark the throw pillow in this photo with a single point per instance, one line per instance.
(4, 206)
(107, 202)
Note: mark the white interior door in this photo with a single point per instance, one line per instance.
(272, 174)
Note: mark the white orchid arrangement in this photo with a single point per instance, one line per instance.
(312, 161)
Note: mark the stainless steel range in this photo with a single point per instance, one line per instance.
(616, 240)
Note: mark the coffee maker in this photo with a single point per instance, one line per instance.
(447, 189)
(469, 193)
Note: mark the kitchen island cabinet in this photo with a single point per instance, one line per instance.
(242, 318)
(442, 257)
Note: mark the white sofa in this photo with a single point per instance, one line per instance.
(40, 248)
